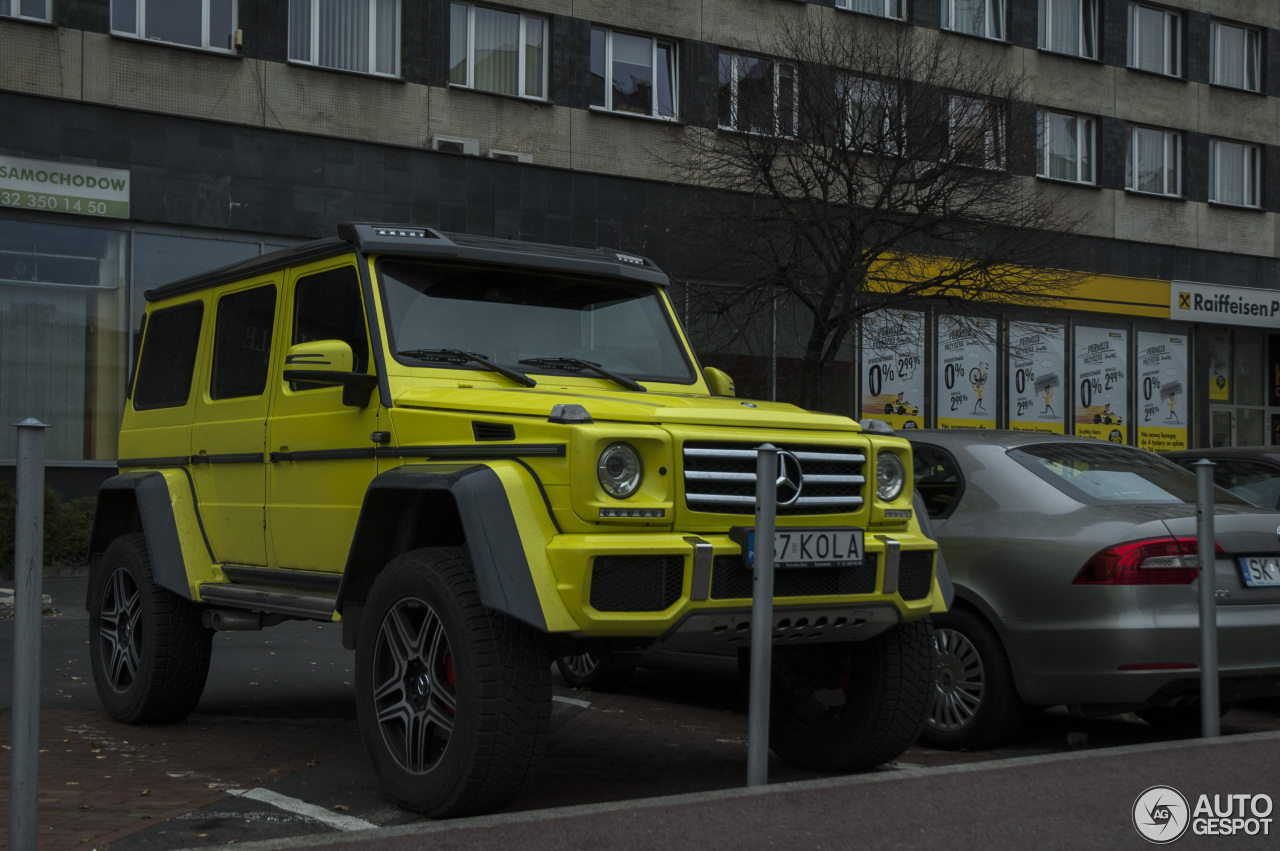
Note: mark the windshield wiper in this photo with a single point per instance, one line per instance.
(578, 363)
(459, 356)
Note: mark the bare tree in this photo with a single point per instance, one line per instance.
(869, 165)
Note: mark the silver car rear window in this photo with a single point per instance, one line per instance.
(1112, 474)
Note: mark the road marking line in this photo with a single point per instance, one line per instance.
(302, 808)
(572, 701)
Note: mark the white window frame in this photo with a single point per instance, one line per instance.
(1251, 160)
(993, 130)
(15, 12)
(654, 41)
(140, 16)
(992, 19)
(313, 47)
(895, 9)
(1086, 143)
(885, 92)
(778, 67)
(1171, 41)
(1171, 156)
(1252, 52)
(522, 81)
(1086, 14)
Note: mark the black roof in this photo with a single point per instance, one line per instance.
(414, 241)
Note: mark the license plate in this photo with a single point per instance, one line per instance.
(811, 547)
(1260, 571)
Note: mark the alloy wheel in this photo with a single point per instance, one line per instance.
(959, 682)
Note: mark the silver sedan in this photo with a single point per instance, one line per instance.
(1075, 568)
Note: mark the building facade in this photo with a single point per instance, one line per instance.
(143, 141)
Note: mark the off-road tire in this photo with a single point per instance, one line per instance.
(453, 699)
(597, 671)
(974, 701)
(850, 706)
(148, 649)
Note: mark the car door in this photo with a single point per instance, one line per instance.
(229, 435)
(320, 450)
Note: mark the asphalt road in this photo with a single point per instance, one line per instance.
(277, 727)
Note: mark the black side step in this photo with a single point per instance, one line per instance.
(297, 593)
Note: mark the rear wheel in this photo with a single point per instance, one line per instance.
(974, 703)
(453, 699)
(850, 706)
(147, 647)
(593, 670)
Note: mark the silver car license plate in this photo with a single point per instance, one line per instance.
(1260, 571)
(827, 547)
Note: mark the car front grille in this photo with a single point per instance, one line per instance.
(731, 579)
(636, 583)
(721, 478)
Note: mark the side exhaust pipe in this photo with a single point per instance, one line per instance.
(232, 619)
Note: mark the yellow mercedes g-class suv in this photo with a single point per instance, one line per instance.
(480, 454)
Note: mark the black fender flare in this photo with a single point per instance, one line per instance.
(487, 528)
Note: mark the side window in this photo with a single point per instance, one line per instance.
(937, 479)
(327, 306)
(242, 343)
(168, 357)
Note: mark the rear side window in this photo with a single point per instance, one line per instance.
(242, 343)
(168, 357)
(327, 306)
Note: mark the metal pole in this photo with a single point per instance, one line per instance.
(28, 566)
(762, 616)
(1208, 600)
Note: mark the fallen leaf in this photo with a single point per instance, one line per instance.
(341, 807)
(145, 792)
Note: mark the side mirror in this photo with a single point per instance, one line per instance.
(719, 381)
(329, 363)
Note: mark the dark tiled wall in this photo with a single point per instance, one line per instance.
(1195, 46)
(1195, 166)
(1114, 18)
(1024, 24)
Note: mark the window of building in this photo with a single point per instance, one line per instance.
(883, 8)
(977, 133)
(1233, 173)
(633, 73)
(873, 118)
(495, 51)
(757, 95)
(31, 10)
(208, 24)
(1066, 147)
(974, 17)
(1069, 26)
(242, 343)
(1153, 160)
(350, 35)
(168, 358)
(1234, 54)
(1154, 38)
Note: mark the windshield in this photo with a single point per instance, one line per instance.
(1112, 474)
(510, 317)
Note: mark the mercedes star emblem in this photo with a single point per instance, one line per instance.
(790, 478)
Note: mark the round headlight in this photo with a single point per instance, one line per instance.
(890, 476)
(619, 470)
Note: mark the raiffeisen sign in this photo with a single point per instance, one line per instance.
(64, 188)
(1224, 305)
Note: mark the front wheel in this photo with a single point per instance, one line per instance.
(147, 647)
(850, 706)
(593, 670)
(975, 703)
(453, 699)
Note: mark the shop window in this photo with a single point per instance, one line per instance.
(977, 133)
(349, 35)
(983, 18)
(1234, 54)
(1233, 173)
(327, 306)
(757, 95)
(207, 24)
(62, 336)
(1065, 147)
(31, 10)
(1153, 160)
(882, 8)
(1154, 40)
(634, 74)
(873, 117)
(495, 51)
(1070, 27)
(168, 358)
(242, 343)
